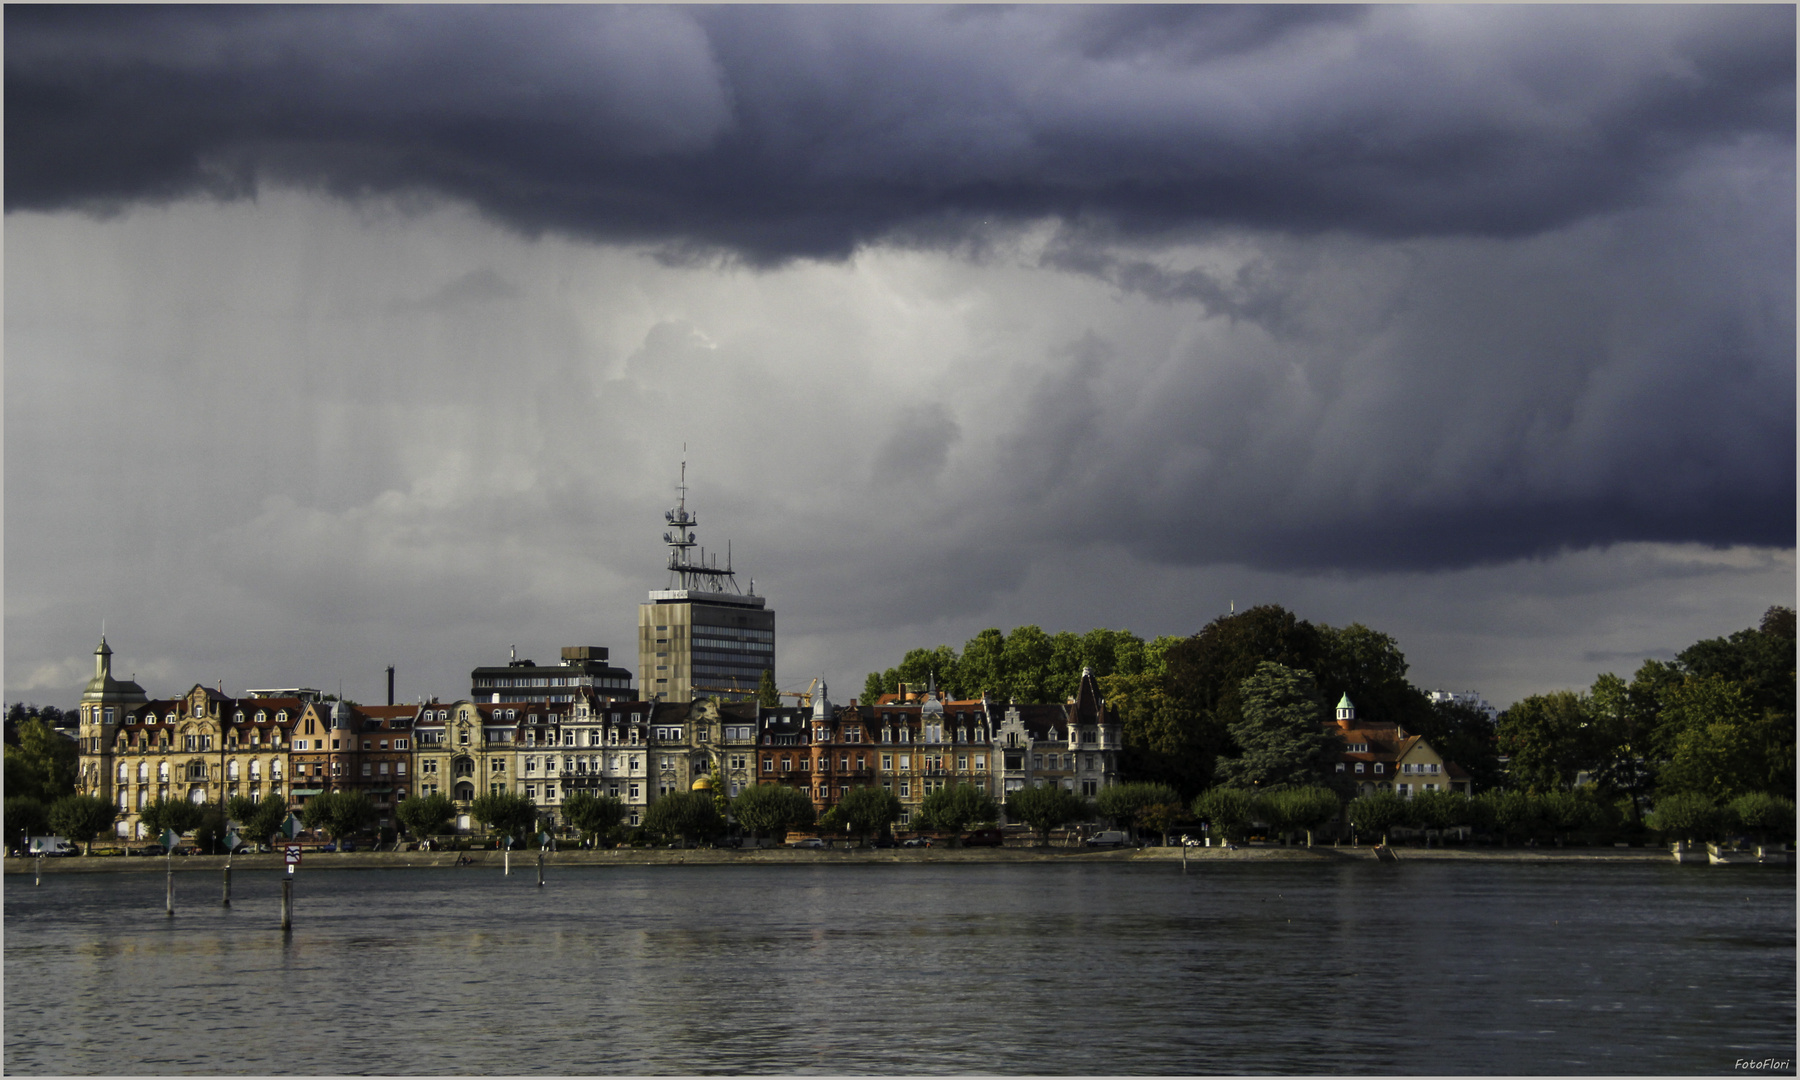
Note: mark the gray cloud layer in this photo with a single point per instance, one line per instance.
(942, 297)
(807, 131)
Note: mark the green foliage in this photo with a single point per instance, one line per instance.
(1710, 729)
(238, 808)
(1565, 812)
(1514, 813)
(1549, 739)
(1045, 808)
(1303, 809)
(768, 809)
(766, 692)
(25, 816)
(1280, 732)
(338, 814)
(691, 816)
(1376, 813)
(1764, 816)
(1026, 665)
(209, 834)
(1227, 810)
(80, 818)
(509, 813)
(1131, 805)
(43, 765)
(867, 811)
(176, 815)
(263, 821)
(957, 807)
(1439, 810)
(595, 816)
(426, 815)
(1687, 815)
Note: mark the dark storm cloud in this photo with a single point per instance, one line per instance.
(782, 132)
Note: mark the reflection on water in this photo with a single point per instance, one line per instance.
(1090, 969)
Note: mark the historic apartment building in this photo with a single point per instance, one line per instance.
(206, 746)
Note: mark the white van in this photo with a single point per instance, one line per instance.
(49, 845)
(1107, 838)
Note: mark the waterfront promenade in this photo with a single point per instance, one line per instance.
(527, 860)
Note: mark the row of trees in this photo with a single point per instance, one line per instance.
(1182, 701)
(1025, 665)
(1717, 722)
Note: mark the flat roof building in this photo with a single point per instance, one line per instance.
(583, 666)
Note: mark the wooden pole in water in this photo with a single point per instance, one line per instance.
(540, 869)
(287, 900)
(506, 858)
(39, 879)
(226, 900)
(169, 899)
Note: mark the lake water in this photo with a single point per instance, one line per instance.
(1235, 967)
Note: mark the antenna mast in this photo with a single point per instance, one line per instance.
(684, 572)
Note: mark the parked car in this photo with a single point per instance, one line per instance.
(807, 842)
(884, 842)
(985, 838)
(1107, 838)
(348, 845)
(917, 841)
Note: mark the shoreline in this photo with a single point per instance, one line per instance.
(527, 860)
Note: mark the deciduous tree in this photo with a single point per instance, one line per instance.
(425, 815)
(953, 809)
(1131, 805)
(1687, 815)
(1227, 811)
(1045, 808)
(867, 811)
(43, 765)
(1304, 809)
(509, 813)
(174, 815)
(80, 818)
(25, 816)
(769, 809)
(1280, 732)
(595, 816)
(691, 816)
(1376, 813)
(1549, 737)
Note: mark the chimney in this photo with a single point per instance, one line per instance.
(390, 684)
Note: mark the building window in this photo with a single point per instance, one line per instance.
(368, 767)
(1359, 767)
(905, 791)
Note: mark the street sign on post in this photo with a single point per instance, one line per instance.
(291, 827)
(293, 855)
(169, 839)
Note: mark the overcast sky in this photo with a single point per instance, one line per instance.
(342, 337)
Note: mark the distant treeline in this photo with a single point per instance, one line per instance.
(1717, 721)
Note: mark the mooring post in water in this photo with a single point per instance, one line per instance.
(169, 898)
(226, 900)
(540, 869)
(506, 860)
(287, 899)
